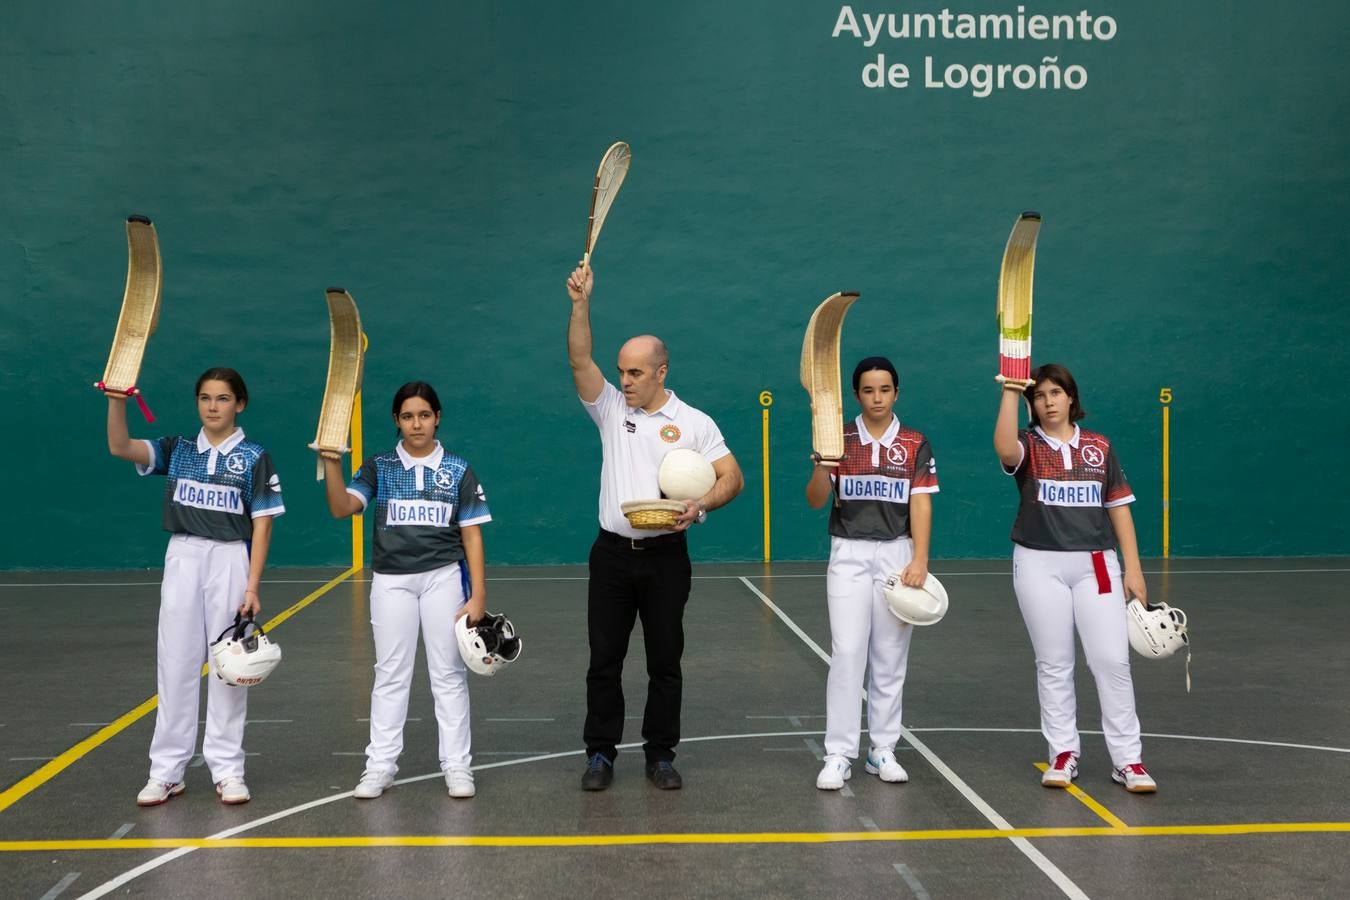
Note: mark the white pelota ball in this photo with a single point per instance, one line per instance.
(685, 475)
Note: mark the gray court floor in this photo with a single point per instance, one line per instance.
(1253, 765)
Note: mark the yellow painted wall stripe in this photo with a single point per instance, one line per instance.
(49, 770)
(1102, 812)
(610, 840)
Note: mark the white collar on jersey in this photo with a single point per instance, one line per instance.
(1065, 453)
(225, 446)
(877, 443)
(203, 446)
(1056, 443)
(670, 409)
(431, 462)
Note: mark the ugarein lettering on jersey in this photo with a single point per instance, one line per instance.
(423, 503)
(215, 492)
(1066, 488)
(875, 480)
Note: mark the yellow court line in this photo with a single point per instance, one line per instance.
(49, 770)
(1083, 797)
(610, 840)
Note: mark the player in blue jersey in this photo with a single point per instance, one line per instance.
(221, 495)
(429, 570)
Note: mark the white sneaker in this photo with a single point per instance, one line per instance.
(460, 782)
(1135, 778)
(1061, 772)
(372, 785)
(233, 791)
(156, 792)
(882, 763)
(836, 771)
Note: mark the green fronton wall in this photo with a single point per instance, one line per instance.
(435, 159)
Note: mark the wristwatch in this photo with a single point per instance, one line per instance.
(702, 514)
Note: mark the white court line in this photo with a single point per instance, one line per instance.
(1002, 573)
(1041, 861)
(914, 885)
(59, 888)
(1177, 737)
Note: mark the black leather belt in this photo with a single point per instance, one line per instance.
(618, 541)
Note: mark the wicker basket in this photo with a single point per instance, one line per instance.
(652, 515)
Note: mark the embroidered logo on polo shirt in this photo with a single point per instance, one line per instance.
(897, 455)
(236, 463)
(442, 479)
(1093, 455)
(670, 433)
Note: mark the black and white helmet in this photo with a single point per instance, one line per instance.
(242, 655)
(490, 645)
(1158, 631)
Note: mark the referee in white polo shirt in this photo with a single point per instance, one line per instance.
(638, 573)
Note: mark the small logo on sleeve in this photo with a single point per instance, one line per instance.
(274, 483)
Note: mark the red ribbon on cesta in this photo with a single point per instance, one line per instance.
(132, 391)
(1099, 569)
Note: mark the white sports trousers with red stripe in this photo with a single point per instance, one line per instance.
(1058, 592)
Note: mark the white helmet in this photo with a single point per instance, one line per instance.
(1156, 631)
(490, 645)
(242, 658)
(917, 606)
(685, 475)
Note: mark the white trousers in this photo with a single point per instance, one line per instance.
(203, 586)
(1058, 591)
(864, 635)
(399, 604)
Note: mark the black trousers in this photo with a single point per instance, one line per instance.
(650, 580)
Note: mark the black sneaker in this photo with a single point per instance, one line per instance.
(599, 773)
(662, 774)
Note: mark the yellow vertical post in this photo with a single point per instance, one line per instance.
(358, 521)
(1165, 398)
(766, 400)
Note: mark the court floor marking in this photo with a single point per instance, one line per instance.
(319, 842)
(1039, 859)
(184, 846)
(758, 574)
(59, 764)
(1084, 798)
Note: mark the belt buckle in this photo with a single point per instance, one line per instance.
(636, 543)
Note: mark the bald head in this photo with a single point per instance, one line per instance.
(642, 371)
(647, 347)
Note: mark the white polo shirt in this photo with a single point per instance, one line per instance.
(633, 442)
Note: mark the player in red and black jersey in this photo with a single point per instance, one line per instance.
(1074, 510)
(880, 524)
